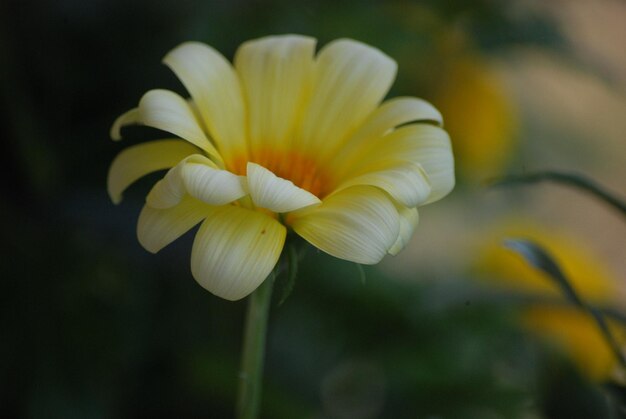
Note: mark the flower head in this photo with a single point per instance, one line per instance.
(286, 139)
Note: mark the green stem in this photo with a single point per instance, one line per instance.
(571, 179)
(251, 372)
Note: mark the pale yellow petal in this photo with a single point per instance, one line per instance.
(133, 117)
(157, 228)
(235, 250)
(407, 183)
(408, 222)
(391, 114)
(136, 161)
(168, 191)
(214, 86)
(434, 153)
(274, 193)
(212, 186)
(395, 112)
(423, 144)
(167, 111)
(127, 118)
(351, 80)
(201, 178)
(359, 224)
(276, 73)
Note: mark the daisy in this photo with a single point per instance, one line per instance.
(285, 140)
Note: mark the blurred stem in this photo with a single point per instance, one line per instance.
(251, 370)
(571, 179)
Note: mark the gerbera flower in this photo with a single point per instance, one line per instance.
(287, 140)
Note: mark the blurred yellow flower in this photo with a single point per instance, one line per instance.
(480, 116)
(566, 325)
(285, 139)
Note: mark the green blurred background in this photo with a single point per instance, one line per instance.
(93, 326)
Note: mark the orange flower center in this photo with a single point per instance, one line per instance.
(302, 170)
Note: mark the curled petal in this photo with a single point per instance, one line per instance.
(212, 186)
(434, 152)
(407, 183)
(391, 114)
(395, 112)
(408, 222)
(136, 161)
(200, 177)
(423, 144)
(274, 193)
(157, 228)
(168, 191)
(127, 118)
(359, 224)
(214, 86)
(235, 250)
(167, 111)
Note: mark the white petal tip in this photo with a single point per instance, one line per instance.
(276, 194)
(127, 118)
(212, 186)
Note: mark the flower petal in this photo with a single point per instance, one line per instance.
(407, 183)
(157, 228)
(408, 222)
(201, 178)
(274, 193)
(214, 86)
(127, 118)
(235, 250)
(167, 111)
(212, 186)
(434, 152)
(351, 80)
(168, 191)
(394, 112)
(136, 161)
(359, 224)
(423, 144)
(276, 74)
(391, 114)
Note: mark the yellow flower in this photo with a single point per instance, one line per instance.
(480, 117)
(567, 326)
(285, 140)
